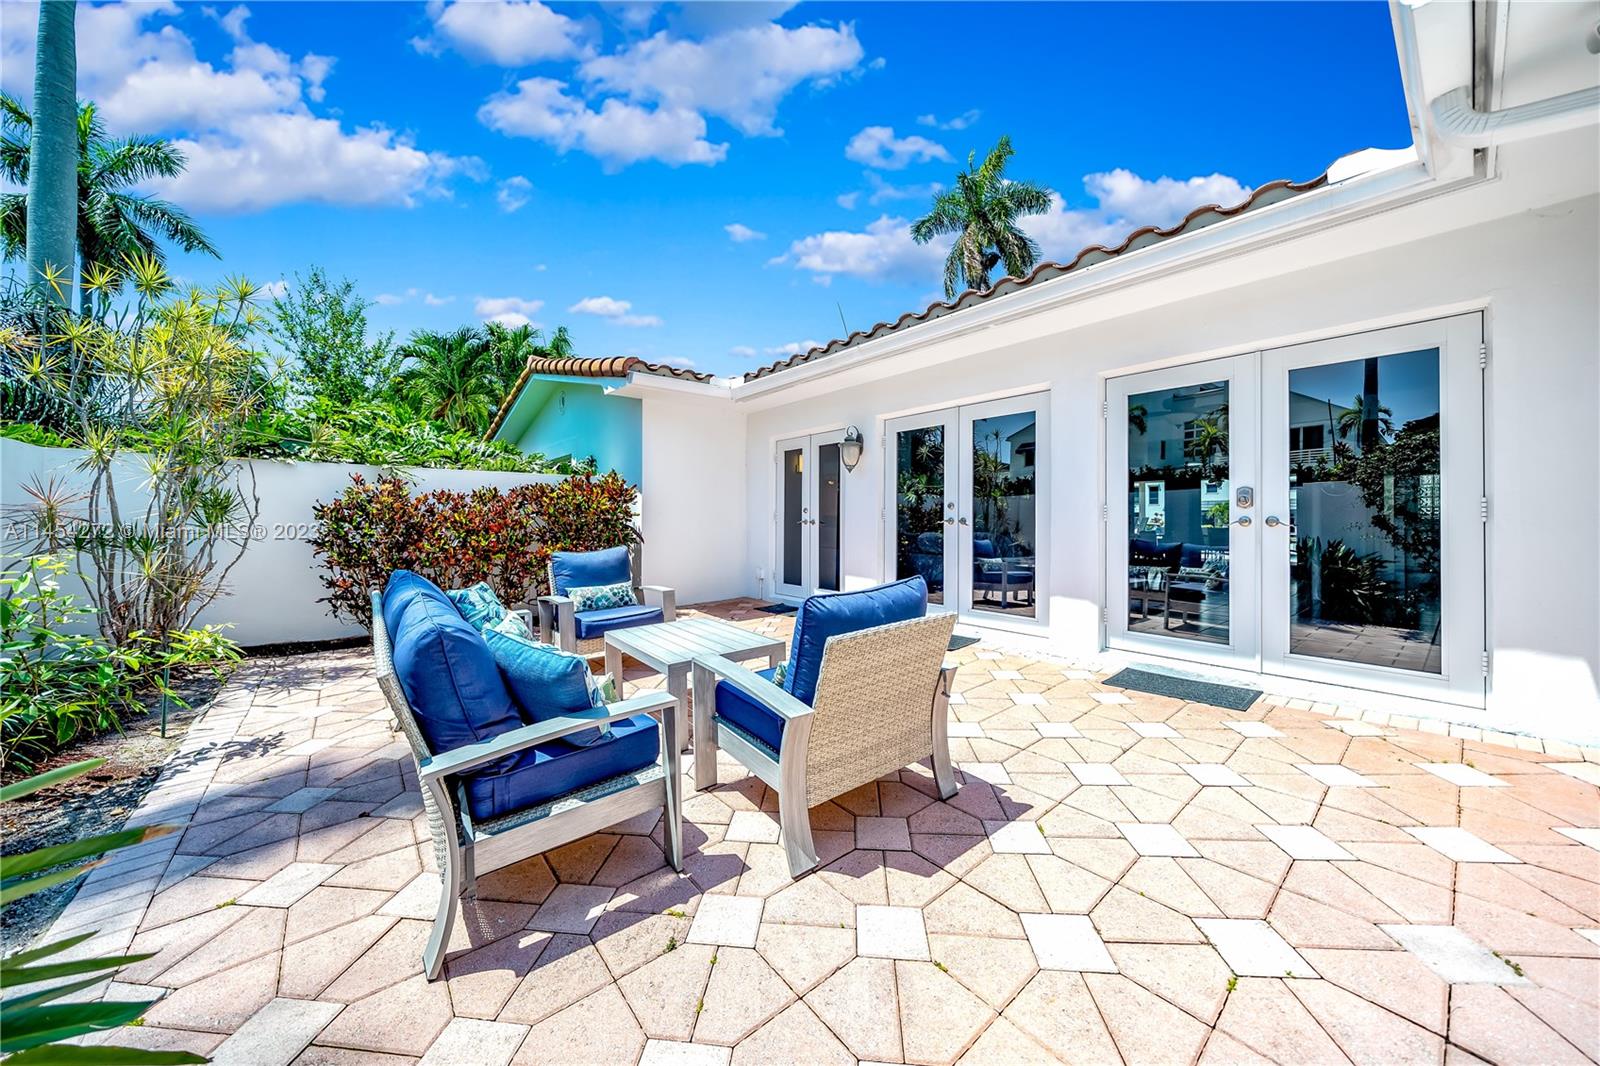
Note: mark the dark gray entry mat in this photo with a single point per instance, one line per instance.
(777, 608)
(957, 642)
(1187, 689)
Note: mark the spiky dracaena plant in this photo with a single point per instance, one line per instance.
(982, 212)
(159, 395)
(37, 1012)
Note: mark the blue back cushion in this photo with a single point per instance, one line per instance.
(447, 671)
(822, 617)
(403, 588)
(546, 682)
(576, 569)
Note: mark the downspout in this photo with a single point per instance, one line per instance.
(1458, 122)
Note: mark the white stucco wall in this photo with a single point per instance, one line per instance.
(272, 594)
(1522, 248)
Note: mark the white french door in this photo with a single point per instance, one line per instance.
(970, 521)
(1372, 493)
(807, 513)
(1313, 511)
(1180, 512)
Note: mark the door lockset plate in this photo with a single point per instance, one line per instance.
(1244, 497)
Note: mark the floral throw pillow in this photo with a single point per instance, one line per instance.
(512, 625)
(478, 604)
(600, 597)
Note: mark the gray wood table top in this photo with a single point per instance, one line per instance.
(674, 645)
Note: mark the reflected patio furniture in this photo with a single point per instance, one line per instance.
(584, 632)
(998, 565)
(866, 693)
(517, 792)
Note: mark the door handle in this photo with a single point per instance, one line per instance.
(1273, 520)
(949, 521)
(1242, 521)
(963, 521)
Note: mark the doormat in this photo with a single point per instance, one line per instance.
(958, 642)
(1187, 689)
(777, 608)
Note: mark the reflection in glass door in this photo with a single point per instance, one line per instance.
(808, 513)
(1180, 551)
(1372, 486)
(922, 499)
(1003, 450)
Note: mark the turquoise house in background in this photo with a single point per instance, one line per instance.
(567, 407)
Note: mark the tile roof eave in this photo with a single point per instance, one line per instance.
(1145, 236)
(615, 366)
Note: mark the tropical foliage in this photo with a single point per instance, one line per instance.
(981, 212)
(113, 223)
(36, 1024)
(456, 539)
(320, 328)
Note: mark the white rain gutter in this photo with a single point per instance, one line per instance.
(1457, 121)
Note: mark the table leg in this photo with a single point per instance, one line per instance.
(672, 817)
(614, 666)
(705, 737)
(678, 686)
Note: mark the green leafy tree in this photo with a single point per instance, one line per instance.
(320, 326)
(982, 212)
(50, 204)
(510, 348)
(113, 225)
(451, 377)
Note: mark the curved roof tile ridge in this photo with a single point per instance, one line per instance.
(1263, 195)
(611, 366)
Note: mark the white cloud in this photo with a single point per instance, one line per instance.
(618, 311)
(793, 347)
(390, 299)
(272, 290)
(847, 200)
(513, 193)
(883, 191)
(884, 251)
(1162, 201)
(877, 146)
(959, 122)
(765, 62)
(510, 33)
(743, 351)
(510, 311)
(618, 134)
(740, 233)
(244, 123)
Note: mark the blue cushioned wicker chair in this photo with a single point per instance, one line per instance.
(583, 632)
(498, 790)
(865, 692)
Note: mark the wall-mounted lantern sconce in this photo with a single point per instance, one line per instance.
(850, 448)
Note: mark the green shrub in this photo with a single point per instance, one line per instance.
(57, 685)
(458, 538)
(34, 1025)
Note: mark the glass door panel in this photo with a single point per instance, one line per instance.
(1180, 550)
(1004, 515)
(793, 517)
(1179, 519)
(829, 469)
(1372, 482)
(923, 503)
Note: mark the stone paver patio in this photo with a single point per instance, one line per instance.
(1234, 888)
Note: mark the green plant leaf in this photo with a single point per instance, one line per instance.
(10, 892)
(28, 786)
(13, 975)
(100, 1055)
(44, 951)
(13, 866)
(45, 995)
(34, 1026)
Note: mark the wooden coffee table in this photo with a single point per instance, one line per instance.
(670, 648)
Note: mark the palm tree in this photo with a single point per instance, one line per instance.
(113, 226)
(982, 211)
(451, 377)
(511, 347)
(1371, 422)
(49, 202)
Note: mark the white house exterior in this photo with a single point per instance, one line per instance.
(1432, 312)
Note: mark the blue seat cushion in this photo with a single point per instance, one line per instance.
(577, 569)
(592, 624)
(744, 712)
(449, 675)
(404, 587)
(821, 617)
(555, 768)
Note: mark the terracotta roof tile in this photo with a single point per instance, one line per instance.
(614, 366)
(1270, 193)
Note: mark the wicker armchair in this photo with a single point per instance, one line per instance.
(466, 849)
(881, 701)
(583, 633)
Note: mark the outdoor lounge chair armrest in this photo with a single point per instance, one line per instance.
(472, 756)
(663, 596)
(758, 688)
(557, 617)
(526, 614)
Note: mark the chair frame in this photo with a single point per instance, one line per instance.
(466, 851)
(558, 622)
(788, 771)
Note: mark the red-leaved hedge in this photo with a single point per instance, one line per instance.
(455, 539)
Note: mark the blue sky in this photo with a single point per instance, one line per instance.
(703, 184)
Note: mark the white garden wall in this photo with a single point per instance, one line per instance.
(273, 593)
